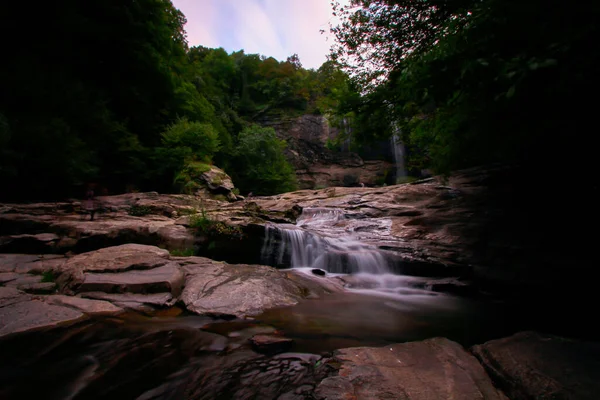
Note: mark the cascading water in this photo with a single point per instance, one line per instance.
(298, 247)
(327, 239)
(398, 151)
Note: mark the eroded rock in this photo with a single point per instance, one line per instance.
(529, 365)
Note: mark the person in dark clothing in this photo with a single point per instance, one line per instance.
(90, 205)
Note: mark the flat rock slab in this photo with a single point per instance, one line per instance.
(87, 306)
(271, 344)
(9, 276)
(38, 287)
(154, 299)
(10, 295)
(432, 369)
(120, 258)
(168, 278)
(9, 262)
(39, 243)
(529, 365)
(35, 315)
(220, 289)
(113, 259)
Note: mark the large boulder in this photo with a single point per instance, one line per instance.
(114, 259)
(529, 365)
(432, 369)
(220, 289)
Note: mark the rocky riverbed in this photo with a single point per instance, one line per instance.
(113, 308)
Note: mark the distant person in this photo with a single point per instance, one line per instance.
(90, 205)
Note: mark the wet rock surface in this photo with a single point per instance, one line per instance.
(432, 369)
(530, 365)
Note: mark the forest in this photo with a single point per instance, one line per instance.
(110, 93)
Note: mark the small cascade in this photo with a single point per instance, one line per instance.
(398, 151)
(313, 243)
(345, 145)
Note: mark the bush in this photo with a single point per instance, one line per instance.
(187, 179)
(183, 252)
(205, 226)
(139, 211)
(201, 139)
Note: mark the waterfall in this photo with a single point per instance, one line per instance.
(345, 145)
(398, 152)
(312, 243)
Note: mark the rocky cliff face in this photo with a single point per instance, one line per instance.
(316, 165)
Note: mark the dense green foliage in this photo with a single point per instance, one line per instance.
(263, 168)
(109, 93)
(475, 81)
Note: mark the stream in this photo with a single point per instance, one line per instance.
(131, 355)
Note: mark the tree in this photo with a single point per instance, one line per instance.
(261, 166)
(464, 84)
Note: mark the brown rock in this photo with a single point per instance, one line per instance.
(131, 299)
(87, 306)
(271, 344)
(220, 289)
(529, 365)
(38, 287)
(35, 315)
(8, 276)
(10, 295)
(167, 278)
(432, 369)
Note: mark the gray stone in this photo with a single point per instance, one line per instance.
(35, 315)
(167, 278)
(432, 369)
(529, 365)
(87, 306)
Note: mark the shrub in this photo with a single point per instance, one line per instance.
(183, 252)
(205, 226)
(138, 210)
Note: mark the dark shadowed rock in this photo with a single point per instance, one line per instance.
(529, 365)
(271, 344)
(432, 369)
(26, 243)
(34, 315)
(318, 272)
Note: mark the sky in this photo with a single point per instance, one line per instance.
(273, 28)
